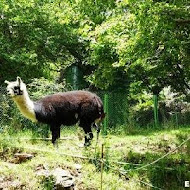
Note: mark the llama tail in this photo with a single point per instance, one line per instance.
(100, 109)
(100, 117)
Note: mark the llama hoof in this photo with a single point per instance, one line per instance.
(56, 146)
(87, 144)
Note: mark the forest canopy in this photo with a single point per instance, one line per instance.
(118, 44)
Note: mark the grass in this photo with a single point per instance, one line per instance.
(121, 152)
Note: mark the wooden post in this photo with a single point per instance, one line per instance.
(102, 167)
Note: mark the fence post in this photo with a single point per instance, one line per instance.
(155, 99)
(107, 113)
(176, 118)
(102, 167)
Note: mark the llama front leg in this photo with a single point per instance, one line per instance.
(86, 125)
(88, 136)
(55, 130)
(97, 127)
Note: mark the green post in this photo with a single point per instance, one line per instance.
(106, 111)
(155, 99)
(176, 119)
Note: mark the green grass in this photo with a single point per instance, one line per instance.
(121, 152)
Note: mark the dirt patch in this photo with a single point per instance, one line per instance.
(9, 183)
(21, 157)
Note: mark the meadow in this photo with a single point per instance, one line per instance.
(128, 159)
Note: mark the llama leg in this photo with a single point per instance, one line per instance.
(88, 136)
(55, 130)
(97, 127)
(86, 125)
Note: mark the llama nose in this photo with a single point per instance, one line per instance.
(8, 92)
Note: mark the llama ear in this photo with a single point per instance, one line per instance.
(6, 82)
(19, 80)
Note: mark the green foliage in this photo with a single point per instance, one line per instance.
(146, 40)
(20, 48)
(36, 38)
(47, 182)
(41, 87)
(131, 45)
(169, 176)
(95, 11)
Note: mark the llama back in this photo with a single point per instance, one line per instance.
(68, 108)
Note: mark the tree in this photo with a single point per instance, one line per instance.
(148, 40)
(128, 44)
(37, 38)
(22, 37)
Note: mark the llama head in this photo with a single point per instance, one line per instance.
(16, 88)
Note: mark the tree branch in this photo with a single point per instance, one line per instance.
(182, 21)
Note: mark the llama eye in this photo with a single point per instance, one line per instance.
(16, 88)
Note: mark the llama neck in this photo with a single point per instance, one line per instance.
(26, 106)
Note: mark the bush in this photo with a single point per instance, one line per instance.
(173, 108)
(41, 87)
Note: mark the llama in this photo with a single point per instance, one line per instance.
(66, 108)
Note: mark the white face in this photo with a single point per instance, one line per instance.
(15, 88)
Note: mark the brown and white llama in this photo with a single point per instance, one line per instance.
(67, 108)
